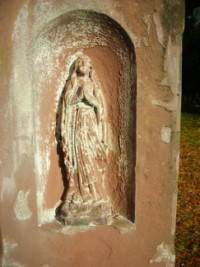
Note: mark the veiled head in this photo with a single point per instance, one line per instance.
(83, 65)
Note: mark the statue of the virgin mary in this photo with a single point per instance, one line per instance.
(83, 141)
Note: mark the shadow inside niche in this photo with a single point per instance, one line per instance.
(60, 153)
(64, 172)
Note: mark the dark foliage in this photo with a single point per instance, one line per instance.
(191, 57)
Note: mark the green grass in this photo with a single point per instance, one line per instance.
(188, 209)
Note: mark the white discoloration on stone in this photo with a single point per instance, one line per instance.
(164, 255)
(42, 163)
(8, 247)
(45, 11)
(21, 208)
(174, 208)
(20, 87)
(145, 41)
(177, 162)
(171, 62)
(154, 101)
(138, 40)
(71, 35)
(166, 134)
(112, 143)
(12, 264)
(173, 78)
(159, 28)
(47, 215)
(147, 21)
(171, 106)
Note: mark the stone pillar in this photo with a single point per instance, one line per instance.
(135, 50)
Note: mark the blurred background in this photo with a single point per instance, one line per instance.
(191, 57)
(187, 243)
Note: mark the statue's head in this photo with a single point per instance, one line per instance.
(83, 65)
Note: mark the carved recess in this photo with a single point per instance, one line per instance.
(93, 146)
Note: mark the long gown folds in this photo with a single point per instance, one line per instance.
(85, 156)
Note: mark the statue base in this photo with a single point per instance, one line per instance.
(89, 213)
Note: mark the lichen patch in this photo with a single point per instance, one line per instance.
(164, 255)
(21, 208)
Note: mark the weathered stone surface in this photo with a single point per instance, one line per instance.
(124, 39)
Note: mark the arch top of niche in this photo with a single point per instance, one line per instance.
(112, 55)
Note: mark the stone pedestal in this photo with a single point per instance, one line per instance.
(73, 213)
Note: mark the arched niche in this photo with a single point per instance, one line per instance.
(113, 58)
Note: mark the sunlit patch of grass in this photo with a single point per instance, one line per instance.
(188, 211)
